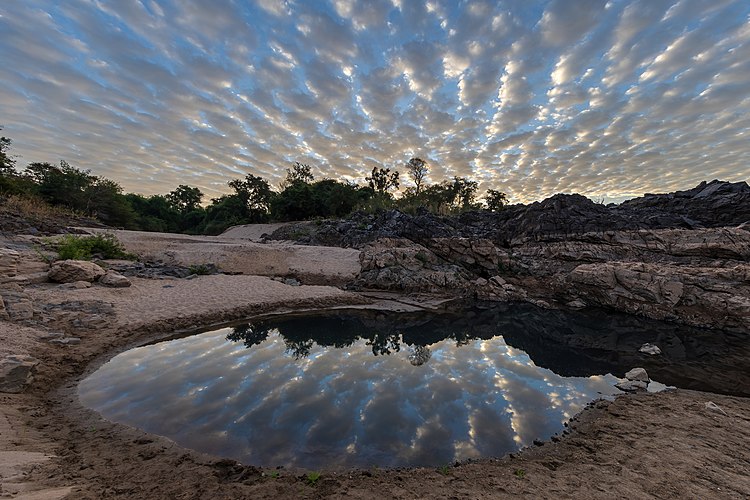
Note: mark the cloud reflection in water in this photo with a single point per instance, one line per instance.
(286, 400)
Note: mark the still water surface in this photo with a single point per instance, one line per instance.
(354, 389)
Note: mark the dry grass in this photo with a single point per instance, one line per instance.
(34, 208)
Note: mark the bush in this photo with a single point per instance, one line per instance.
(85, 247)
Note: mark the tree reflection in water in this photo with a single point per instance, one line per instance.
(382, 333)
(569, 343)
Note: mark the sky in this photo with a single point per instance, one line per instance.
(610, 99)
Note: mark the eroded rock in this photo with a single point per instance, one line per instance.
(17, 304)
(8, 262)
(68, 271)
(17, 372)
(115, 280)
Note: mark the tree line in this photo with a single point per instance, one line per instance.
(251, 200)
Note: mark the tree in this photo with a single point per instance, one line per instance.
(299, 172)
(382, 179)
(104, 199)
(495, 200)
(7, 162)
(224, 212)
(10, 181)
(463, 192)
(63, 185)
(185, 198)
(417, 170)
(255, 194)
(295, 202)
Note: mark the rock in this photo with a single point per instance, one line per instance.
(292, 282)
(576, 304)
(76, 315)
(30, 279)
(65, 341)
(497, 281)
(711, 406)
(114, 280)
(76, 285)
(638, 374)
(68, 271)
(8, 262)
(632, 385)
(649, 349)
(18, 304)
(16, 373)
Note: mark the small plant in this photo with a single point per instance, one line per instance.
(444, 469)
(421, 257)
(200, 269)
(312, 478)
(274, 474)
(46, 258)
(104, 245)
(520, 473)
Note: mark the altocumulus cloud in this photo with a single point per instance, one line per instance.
(607, 98)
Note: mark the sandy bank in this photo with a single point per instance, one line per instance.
(310, 265)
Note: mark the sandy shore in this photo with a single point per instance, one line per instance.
(643, 446)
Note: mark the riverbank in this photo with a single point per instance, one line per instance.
(662, 445)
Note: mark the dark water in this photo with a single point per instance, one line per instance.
(362, 389)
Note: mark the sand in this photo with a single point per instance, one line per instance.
(642, 446)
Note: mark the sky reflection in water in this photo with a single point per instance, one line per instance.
(286, 400)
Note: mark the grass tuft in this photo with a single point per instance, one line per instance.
(312, 478)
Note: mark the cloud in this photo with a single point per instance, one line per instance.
(611, 99)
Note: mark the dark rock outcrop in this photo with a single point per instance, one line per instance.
(681, 256)
(714, 204)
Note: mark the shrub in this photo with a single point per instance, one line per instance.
(202, 269)
(85, 247)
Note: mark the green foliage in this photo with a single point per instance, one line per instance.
(520, 473)
(104, 245)
(376, 203)
(444, 469)
(496, 200)
(296, 202)
(200, 269)
(255, 195)
(224, 212)
(326, 198)
(444, 198)
(312, 478)
(185, 199)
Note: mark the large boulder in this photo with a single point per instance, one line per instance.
(68, 271)
(16, 373)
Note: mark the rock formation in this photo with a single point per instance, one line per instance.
(682, 256)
